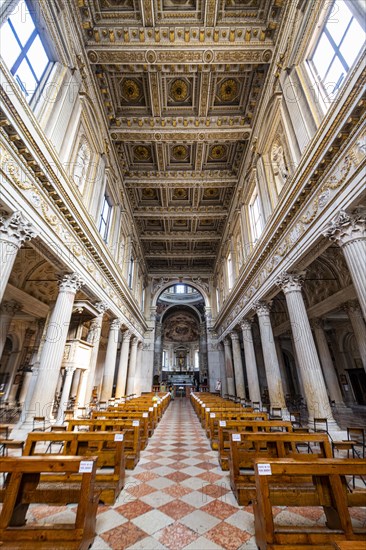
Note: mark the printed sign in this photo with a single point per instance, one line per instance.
(145, 415)
(135, 422)
(235, 437)
(212, 415)
(264, 470)
(222, 423)
(118, 437)
(86, 467)
(151, 409)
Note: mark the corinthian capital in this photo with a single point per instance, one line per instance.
(16, 229)
(246, 324)
(116, 324)
(72, 282)
(346, 227)
(289, 282)
(234, 335)
(101, 307)
(262, 308)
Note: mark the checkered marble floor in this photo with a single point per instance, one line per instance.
(177, 497)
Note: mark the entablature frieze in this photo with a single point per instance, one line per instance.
(168, 183)
(135, 53)
(164, 134)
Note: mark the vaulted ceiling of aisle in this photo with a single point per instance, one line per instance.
(180, 82)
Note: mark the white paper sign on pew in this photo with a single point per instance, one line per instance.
(222, 423)
(135, 422)
(212, 415)
(264, 470)
(235, 437)
(118, 437)
(86, 467)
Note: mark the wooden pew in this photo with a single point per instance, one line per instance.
(22, 488)
(132, 442)
(143, 417)
(212, 429)
(226, 427)
(329, 489)
(246, 447)
(108, 447)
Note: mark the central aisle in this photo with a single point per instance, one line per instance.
(177, 497)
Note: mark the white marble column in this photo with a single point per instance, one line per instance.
(132, 368)
(158, 348)
(31, 380)
(349, 232)
(238, 365)
(123, 364)
(53, 347)
(229, 367)
(65, 393)
(14, 230)
(251, 362)
(7, 311)
(330, 375)
(358, 325)
(110, 360)
(28, 374)
(138, 373)
(224, 389)
(273, 373)
(75, 383)
(93, 337)
(309, 364)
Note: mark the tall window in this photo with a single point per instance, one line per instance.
(105, 218)
(23, 50)
(337, 48)
(130, 272)
(256, 218)
(230, 272)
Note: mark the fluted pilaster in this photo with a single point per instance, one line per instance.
(273, 373)
(14, 231)
(250, 362)
(110, 360)
(238, 365)
(229, 367)
(349, 232)
(123, 364)
(309, 364)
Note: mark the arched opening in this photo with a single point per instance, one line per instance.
(180, 351)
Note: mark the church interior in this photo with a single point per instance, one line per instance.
(182, 229)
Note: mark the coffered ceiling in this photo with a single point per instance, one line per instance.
(180, 81)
